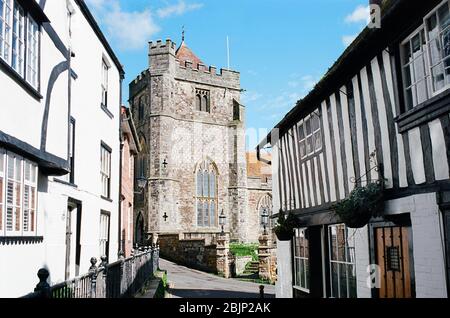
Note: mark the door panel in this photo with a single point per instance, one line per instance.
(393, 257)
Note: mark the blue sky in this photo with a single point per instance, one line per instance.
(281, 47)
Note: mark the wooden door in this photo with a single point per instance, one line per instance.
(393, 257)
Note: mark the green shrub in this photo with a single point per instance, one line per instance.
(245, 250)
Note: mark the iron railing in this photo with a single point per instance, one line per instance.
(124, 278)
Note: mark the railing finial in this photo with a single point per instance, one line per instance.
(43, 286)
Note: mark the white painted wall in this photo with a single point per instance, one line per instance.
(284, 283)
(19, 263)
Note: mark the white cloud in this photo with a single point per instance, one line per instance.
(129, 30)
(178, 9)
(348, 39)
(250, 96)
(360, 14)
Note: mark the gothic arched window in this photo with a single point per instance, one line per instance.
(202, 100)
(198, 102)
(206, 194)
(265, 206)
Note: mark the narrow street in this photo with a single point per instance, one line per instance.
(189, 283)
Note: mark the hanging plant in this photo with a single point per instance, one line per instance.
(362, 204)
(284, 230)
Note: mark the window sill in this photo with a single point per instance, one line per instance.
(107, 199)
(19, 240)
(106, 110)
(20, 80)
(425, 112)
(66, 183)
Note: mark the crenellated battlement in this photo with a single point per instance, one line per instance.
(139, 83)
(208, 74)
(161, 47)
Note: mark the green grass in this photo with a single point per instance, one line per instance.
(161, 291)
(245, 250)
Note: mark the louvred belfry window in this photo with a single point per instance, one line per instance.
(18, 195)
(206, 194)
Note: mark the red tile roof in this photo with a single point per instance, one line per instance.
(184, 54)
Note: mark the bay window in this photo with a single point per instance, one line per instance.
(425, 58)
(18, 195)
(19, 41)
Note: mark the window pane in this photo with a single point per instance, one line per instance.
(308, 127)
(343, 281)
(302, 149)
(18, 170)
(409, 98)
(212, 185)
(199, 213)
(315, 122)
(206, 214)
(205, 184)
(432, 27)
(306, 265)
(422, 91)
(301, 132)
(444, 16)
(406, 53)
(408, 75)
(438, 77)
(435, 51)
(213, 213)
(309, 145)
(334, 280)
(419, 68)
(415, 44)
(318, 140)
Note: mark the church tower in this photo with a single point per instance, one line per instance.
(192, 131)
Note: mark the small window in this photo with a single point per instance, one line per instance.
(104, 233)
(301, 260)
(310, 136)
(202, 100)
(105, 69)
(105, 171)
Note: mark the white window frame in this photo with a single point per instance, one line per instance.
(446, 86)
(105, 223)
(5, 37)
(105, 171)
(304, 260)
(105, 80)
(428, 60)
(346, 263)
(407, 64)
(20, 43)
(22, 209)
(18, 39)
(311, 136)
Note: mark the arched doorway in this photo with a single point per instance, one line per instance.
(140, 234)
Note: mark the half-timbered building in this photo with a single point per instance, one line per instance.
(380, 114)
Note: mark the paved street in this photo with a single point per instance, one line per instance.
(189, 283)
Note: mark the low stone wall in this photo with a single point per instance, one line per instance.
(240, 262)
(193, 253)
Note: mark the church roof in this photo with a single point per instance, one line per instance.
(184, 54)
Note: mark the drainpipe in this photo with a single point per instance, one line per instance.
(120, 252)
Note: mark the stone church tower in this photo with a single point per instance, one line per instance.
(192, 132)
